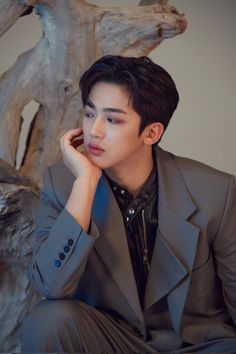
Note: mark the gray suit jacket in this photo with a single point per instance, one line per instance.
(191, 287)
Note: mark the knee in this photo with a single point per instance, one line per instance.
(49, 326)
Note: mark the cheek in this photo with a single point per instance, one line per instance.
(124, 136)
(124, 147)
(131, 139)
(85, 127)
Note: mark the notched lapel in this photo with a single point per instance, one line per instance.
(176, 241)
(182, 238)
(112, 244)
(166, 272)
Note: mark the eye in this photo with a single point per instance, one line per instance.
(113, 120)
(88, 115)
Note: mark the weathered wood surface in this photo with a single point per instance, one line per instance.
(18, 200)
(75, 34)
(152, 2)
(10, 10)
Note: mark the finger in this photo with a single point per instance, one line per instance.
(77, 142)
(70, 135)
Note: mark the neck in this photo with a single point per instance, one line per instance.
(134, 175)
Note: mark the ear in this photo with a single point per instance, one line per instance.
(152, 133)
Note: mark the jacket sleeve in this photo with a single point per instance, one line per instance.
(61, 247)
(225, 249)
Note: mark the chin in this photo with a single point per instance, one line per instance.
(99, 164)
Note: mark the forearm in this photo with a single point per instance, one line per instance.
(63, 242)
(56, 275)
(80, 202)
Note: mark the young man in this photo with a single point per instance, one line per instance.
(136, 247)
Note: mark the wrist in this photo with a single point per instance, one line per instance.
(88, 178)
(85, 184)
(80, 201)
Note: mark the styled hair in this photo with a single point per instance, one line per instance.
(151, 89)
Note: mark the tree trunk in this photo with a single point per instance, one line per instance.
(75, 34)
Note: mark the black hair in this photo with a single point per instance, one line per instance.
(151, 89)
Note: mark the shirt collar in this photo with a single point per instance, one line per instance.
(130, 206)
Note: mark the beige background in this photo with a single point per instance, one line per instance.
(202, 62)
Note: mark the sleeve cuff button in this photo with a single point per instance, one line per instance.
(70, 242)
(57, 263)
(62, 256)
(66, 249)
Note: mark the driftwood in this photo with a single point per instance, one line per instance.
(75, 33)
(18, 200)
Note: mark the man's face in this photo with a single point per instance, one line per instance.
(111, 128)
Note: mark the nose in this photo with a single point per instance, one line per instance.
(98, 128)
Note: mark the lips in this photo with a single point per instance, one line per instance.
(95, 149)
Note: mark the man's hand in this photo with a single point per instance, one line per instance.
(80, 201)
(77, 162)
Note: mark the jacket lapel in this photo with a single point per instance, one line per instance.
(112, 244)
(176, 241)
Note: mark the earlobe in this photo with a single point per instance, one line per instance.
(153, 133)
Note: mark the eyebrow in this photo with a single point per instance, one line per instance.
(90, 104)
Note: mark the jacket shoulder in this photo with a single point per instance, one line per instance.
(59, 168)
(58, 178)
(188, 165)
(205, 184)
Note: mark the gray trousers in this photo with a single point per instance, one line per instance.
(75, 327)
